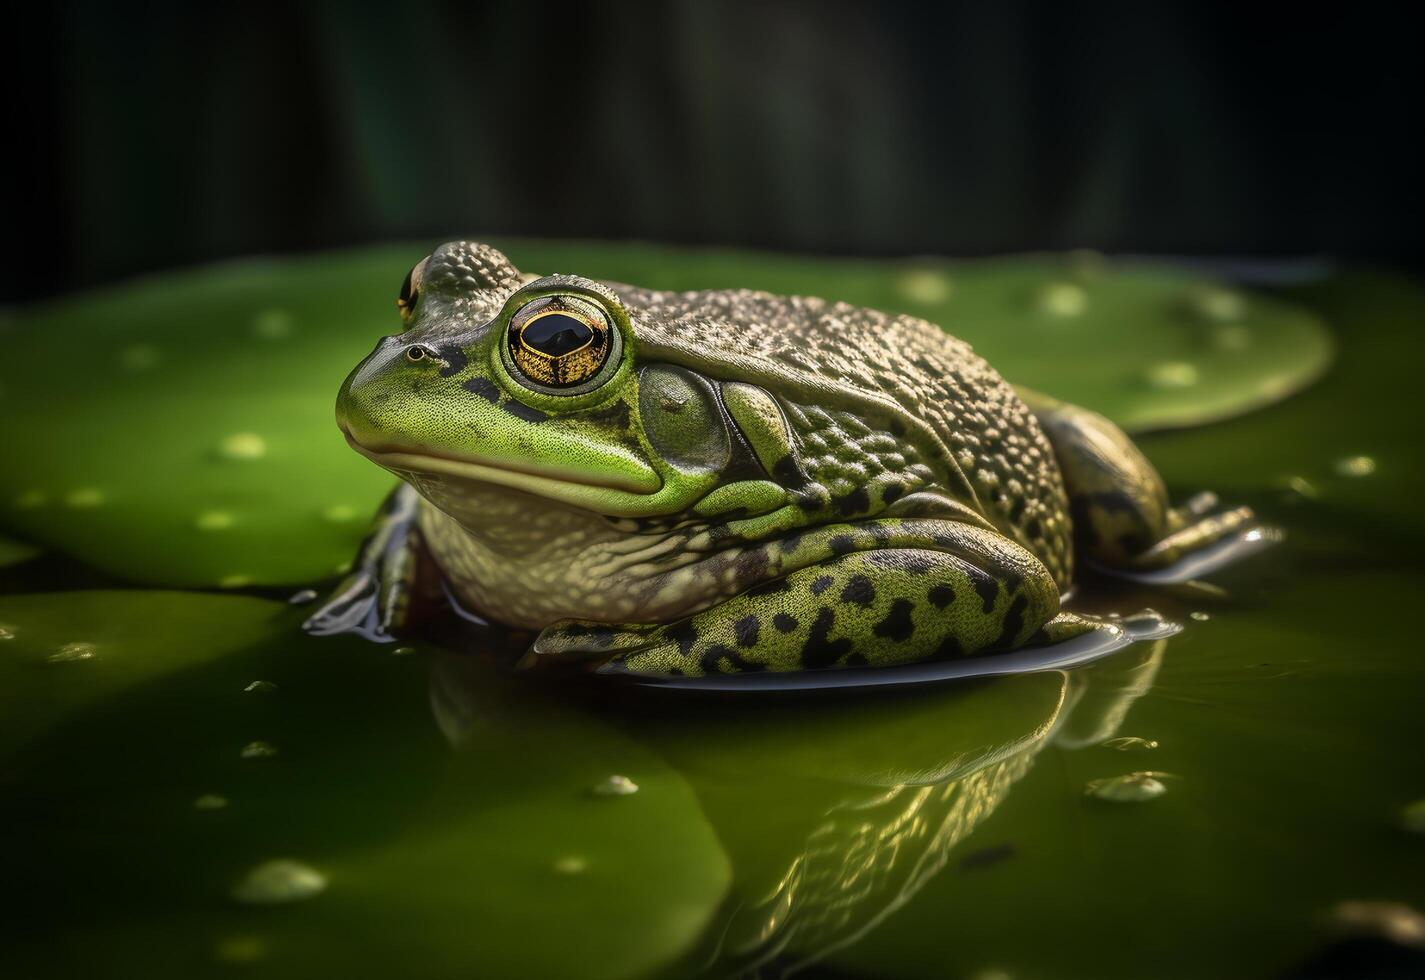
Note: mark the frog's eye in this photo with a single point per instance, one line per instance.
(560, 341)
(411, 291)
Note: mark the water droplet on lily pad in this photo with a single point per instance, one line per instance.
(7, 632)
(1217, 304)
(213, 520)
(1201, 617)
(260, 687)
(302, 598)
(240, 949)
(570, 865)
(1063, 299)
(84, 498)
(1129, 743)
(340, 513)
(244, 446)
(1134, 787)
(403, 651)
(1172, 374)
(615, 786)
(925, 286)
(139, 357)
(272, 325)
(259, 750)
(1412, 817)
(73, 653)
(279, 881)
(1355, 466)
(210, 801)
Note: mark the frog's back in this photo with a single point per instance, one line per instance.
(973, 428)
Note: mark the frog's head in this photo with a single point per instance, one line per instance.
(533, 385)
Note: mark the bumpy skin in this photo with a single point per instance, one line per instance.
(748, 482)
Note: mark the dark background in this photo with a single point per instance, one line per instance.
(148, 135)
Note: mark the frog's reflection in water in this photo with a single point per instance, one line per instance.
(835, 809)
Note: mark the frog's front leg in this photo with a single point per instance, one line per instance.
(973, 591)
(377, 596)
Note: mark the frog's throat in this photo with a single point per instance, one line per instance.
(640, 495)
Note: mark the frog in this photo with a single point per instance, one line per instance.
(684, 483)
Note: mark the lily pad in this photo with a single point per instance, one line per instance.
(460, 848)
(177, 429)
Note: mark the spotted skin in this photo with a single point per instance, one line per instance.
(737, 481)
(965, 591)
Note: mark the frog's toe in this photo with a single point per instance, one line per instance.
(353, 607)
(1201, 546)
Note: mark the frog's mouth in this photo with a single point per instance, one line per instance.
(637, 494)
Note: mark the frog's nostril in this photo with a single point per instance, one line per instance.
(417, 352)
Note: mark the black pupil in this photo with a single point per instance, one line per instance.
(556, 334)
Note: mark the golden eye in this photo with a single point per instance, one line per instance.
(559, 341)
(411, 291)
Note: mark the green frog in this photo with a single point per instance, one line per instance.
(684, 483)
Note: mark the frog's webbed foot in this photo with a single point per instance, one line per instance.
(972, 591)
(375, 598)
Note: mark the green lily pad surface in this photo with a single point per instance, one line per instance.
(369, 836)
(177, 430)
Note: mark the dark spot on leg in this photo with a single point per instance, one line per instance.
(522, 411)
(950, 647)
(784, 623)
(483, 387)
(859, 590)
(820, 650)
(713, 661)
(941, 595)
(747, 630)
(857, 660)
(685, 634)
(841, 544)
(897, 625)
(986, 587)
(455, 360)
(1013, 622)
(892, 492)
(822, 583)
(1131, 543)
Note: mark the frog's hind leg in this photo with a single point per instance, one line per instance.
(877, 607)
(389, 577)
(1119, 504)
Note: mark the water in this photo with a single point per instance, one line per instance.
(434, 814)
